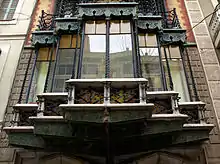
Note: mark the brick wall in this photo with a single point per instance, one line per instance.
(213, 146)
(8, 154)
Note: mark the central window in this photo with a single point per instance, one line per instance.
(107, 49)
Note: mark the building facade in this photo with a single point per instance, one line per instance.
(115, 82)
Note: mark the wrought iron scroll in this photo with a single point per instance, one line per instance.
(46, 21)
(170, 19)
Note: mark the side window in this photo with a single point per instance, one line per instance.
(172, 55)
(150, 60)
(7, 9)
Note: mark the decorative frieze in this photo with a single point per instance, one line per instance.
(173, 36)
(43, 38)
(149, 22)
(108, 9)
(66, 24)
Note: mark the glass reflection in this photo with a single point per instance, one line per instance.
(150, 65)
(93, 65)
(121, 56)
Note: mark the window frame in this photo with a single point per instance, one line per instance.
(107, 52)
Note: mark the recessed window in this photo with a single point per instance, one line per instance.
(7, 9)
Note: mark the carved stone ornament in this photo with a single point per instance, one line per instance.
(66, 24)
(173, 36)
(150, 22)
(107, 9)
(42, 38)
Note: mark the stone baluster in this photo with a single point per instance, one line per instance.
(107, 93)
(71, 94)
(142, 93)
(174, 104)
(41, 106)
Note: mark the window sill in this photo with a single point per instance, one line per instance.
(8, 22)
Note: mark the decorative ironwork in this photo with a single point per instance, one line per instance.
(43, 38)
(107, 9)
(67, 8)
(170, 19)
(46, 21)
(161, 107)
(149, 23)
(173, 36)
(52, 107)
(124, 95)
(24, 118)
(89, 96)
(193, 115)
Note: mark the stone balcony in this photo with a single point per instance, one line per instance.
(95, 111)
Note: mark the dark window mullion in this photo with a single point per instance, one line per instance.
(76, 51)
(107, 60)
(55, 63)
(139, 71)
(134, 57)
(163, 77)
(81, 51)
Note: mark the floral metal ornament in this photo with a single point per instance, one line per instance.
(124, 95)
(89, 96)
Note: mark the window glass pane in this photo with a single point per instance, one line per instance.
(94, 56)
(5, 3)
(114, 26)
(90, 27)
(14, 3)
(125, 26)
(151, 40)
(65, 41)
(2, 13)
(179, 79)
(100, 27)
(63, 68)
(175, 52)
(10, 14)
(150, 65)
(121, 56)
(37, 86)
(43, 54)
(74, 38)
(141, 38)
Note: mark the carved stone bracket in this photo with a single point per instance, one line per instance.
(66, 24)
(107, 9)
(42, 38)
(150, 22)
(173, 36)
